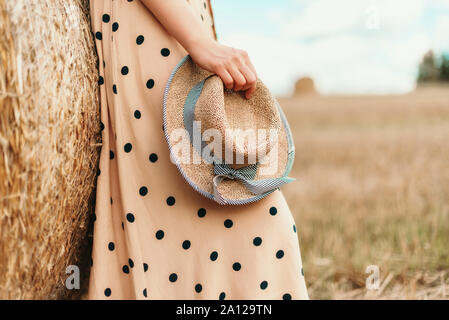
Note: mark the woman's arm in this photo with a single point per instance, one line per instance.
(232, 65)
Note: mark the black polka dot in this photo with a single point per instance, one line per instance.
(236, 266)
(222, 296)
(228, 223)
(130, 217)
(153, 157)
(159, 234)
(201, 212)
(111, 154)
(111, 246)
(123, 226)
(198, 287)
(101, 126)
(302, 272)
(202, 17)
(128, 147)
(287, 296)
(214, 255)
(204, 3)
(100, 80)
(273, 211)
(165, 52)
(140, 39)
(145, 267)
(125, 269)
(111, 200)
(114, 89)
(143, 191)
(106, 18)
(125, 70)
(145, 292)
(171, 201)
(294, 228)
(186, 244)
(94, 217)
(137, 114)
(107, 292)
(279, 254)
(257, 241)
(131, 263)
(263, 285)
(150, 83)
(114, 26)
(98, 35)
(98, 172)
(173, 277)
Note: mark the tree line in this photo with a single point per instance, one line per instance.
(434, 69)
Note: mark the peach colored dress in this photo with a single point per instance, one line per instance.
(154, 236)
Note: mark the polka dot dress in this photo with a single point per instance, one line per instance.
(154, 236)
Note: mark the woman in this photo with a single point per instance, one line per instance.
(154, 236)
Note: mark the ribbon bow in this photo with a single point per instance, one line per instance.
(246, 176)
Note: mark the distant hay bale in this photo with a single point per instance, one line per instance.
(49, 141)
(304, 86)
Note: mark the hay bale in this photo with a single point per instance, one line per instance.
(49, 140)
(305, 86)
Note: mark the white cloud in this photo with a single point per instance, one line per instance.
(327, 17)
(323, 17)
(344, 64)
(399, 14)
(328, 41)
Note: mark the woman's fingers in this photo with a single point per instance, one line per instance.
(239, 79)
(248, 62)
(250, 92)
(249, 76)
(234, 68)
(248, 71)
(227, 79)
(250, 65)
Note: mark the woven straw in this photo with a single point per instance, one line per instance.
(258, 112)
(49, 134)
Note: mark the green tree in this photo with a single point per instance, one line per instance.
(444, 67)
(428, 69)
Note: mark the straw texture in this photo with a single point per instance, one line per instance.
(50, 143)
(237, 113)
(200, 175)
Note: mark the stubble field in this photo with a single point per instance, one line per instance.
(372, 189)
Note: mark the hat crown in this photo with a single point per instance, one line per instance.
(220, 181)
(243, 124)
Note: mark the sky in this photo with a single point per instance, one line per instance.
(346, 46)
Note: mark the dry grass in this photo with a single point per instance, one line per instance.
(49, 127)
(373, 190)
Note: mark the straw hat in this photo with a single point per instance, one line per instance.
(228, 148)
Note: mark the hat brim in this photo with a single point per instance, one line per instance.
(183, 78)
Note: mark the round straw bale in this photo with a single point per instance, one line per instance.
(49, 142)
(304, 86)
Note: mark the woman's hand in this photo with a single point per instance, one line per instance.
(233, 66)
